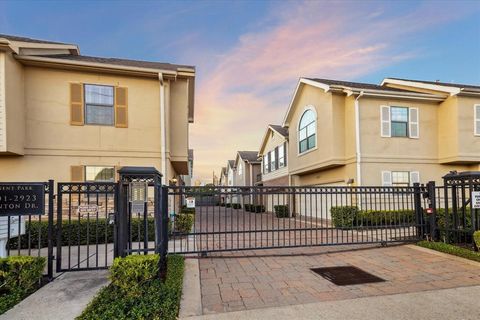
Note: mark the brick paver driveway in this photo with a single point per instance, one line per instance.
(250, 279)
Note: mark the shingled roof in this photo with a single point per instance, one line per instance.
(446, 84)
(355, 85)
(25, 39)
(249, 156)
(118, 61)
(281, 130)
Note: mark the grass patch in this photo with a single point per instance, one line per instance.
(149, 299)
(451, 249)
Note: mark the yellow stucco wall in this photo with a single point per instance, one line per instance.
(51, 145)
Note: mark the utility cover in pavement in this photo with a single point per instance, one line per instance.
(346, 275)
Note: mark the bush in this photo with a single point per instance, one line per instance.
(476, 239)
(19, 277)
(183, 222)
(258, 208)
(236, 206)
(281, 211)
(451, 249)
(247, 207)
(157, 300)
(228, 205)
(343, 217)
(351, 216)
(78, 232)
(131, 273)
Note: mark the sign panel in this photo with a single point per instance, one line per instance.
(87, 209)
(476, 199)
(190, 202)
(22, 199)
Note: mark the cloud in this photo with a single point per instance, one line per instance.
(250, 85)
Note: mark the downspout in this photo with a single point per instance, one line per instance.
(358, 149)
(163, 122)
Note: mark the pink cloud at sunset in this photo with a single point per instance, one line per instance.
(250, 85)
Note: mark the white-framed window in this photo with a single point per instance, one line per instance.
(99, 173)
(307, 129)
(240, 168)
(281, 156)
(400, 178)
(265, 164)
(398, 121)
(476, 119)
(271, 156)
(99, 105)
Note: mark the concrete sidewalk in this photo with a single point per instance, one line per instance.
(457, 303)
(65, 298)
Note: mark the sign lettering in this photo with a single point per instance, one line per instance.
(22, 199)
(476, 199)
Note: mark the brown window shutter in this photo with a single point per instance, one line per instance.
(121, 107)
(77, 173)
(76, 104)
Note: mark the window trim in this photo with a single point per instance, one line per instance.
(98, 166)
(98, 105)
(396, 184)
(407, 135)
(476, 118)
(312, 108)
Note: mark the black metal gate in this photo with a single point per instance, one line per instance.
(250, 218)
(85, 228)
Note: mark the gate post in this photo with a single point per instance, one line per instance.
(121, 220)
(161, 225)
(417, 198)
(432, 198)
(50, 229)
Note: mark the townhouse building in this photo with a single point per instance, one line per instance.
(273, 154)
(247, 168)
(71, 117)
(396, 133)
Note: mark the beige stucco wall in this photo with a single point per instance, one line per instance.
(330, 124)
(52, 145)
(469, 144)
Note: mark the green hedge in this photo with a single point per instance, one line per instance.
(236, 206)
(351, 216)
(476, 239)
(149, 298)
(281, 211)
(19, 277)
(78, 232)
(257, 208)
(451, 249)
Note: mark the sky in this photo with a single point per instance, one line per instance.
(249, 55)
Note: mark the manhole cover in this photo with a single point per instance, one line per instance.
(346, 275)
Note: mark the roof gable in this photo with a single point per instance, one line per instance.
(275, 129)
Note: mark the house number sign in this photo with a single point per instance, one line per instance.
(22, 199)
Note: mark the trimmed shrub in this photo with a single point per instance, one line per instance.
(236, 206)
(131, 273)
(19, 277)
(450, 249)
(258, 208)
(75, 232)
(183, 222)
(157, 300)
(228, 205)
(476, 239)
(281, 211)
(343, 217)
(247, 207)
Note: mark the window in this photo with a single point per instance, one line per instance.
(400, 178)
(265, 163)
(271, 156)
(476, 119)
(99, 173)
(240, 168)
(307, 131)
(399, 116)
(281, 156)
(399, 122)
(99, 105)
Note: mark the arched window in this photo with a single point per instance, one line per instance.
(307, 129)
